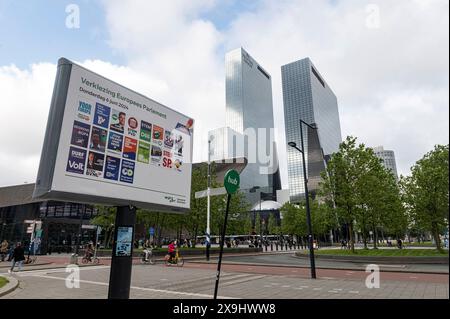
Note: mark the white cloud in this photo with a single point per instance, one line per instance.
(391, 82)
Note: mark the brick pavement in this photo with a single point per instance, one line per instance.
(158, 281)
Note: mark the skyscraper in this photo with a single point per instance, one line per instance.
(249, 118)
(388, 158)
(307, 97)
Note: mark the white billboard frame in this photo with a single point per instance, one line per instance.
(52, 185)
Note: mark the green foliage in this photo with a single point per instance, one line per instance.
(425, 192)
(361, 192)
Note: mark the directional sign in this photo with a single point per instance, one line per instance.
(231, 181)
(151, 231)
(88, 226)
(212, 192)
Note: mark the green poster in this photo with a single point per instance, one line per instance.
(143, 152)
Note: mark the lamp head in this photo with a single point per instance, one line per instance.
(292, 144)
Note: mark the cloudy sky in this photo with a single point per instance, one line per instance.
(387, 62)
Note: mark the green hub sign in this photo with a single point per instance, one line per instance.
(231, 181)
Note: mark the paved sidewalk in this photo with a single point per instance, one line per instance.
(172, 282)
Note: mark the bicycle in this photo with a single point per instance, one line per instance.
(89, 259)
(177, 260)
(30, 260)
(147, 257)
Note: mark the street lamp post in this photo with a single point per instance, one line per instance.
(308, 213)
(208, 208)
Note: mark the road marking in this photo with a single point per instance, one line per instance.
(286, 286)
(339, 289)
(354, 291)
(413, 277)
(304, 286)
(336, 292)
(142, 288)
(317, 288)
(327, 277)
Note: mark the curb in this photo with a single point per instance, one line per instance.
(10, 286)
(28, 265)
(380, 259)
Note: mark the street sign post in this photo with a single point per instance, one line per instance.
(231, 183)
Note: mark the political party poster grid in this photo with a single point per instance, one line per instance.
(106, 143)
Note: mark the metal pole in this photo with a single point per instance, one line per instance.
(80, 230)
(208, 209)
(308, 213)
(221, 247)
(120, 273)
(96, 244)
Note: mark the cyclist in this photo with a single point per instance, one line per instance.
(89, 252)
(171, 250)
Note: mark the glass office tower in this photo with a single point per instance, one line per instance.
(308, 97)
(249, 106)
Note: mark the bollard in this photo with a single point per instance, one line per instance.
(271, 246)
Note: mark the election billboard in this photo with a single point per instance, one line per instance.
(106, 144)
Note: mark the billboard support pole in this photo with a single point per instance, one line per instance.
(120, 273)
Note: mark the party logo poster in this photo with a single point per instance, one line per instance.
(132, 126)
(115, 142)
(77, 158)
(179, 143)
(94, 165)
(178, 164)
(101, 115)
(117, 121)
(168, 139)
(156, 155)
(129, 148)
(143, 152)
(127, 171)
(158, 133)
(84, 111)
(80, 134)
(146, 131)
(98, 139)
(112, 167)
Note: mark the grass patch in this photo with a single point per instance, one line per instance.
(382, 252)
(3, 281)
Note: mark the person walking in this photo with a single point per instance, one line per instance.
(4, 249)
(18, 257)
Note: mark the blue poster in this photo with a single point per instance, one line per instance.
(101, 116)
(80, 134)
(112, 167)
(127, 172)
(115, 142)
(76, 162)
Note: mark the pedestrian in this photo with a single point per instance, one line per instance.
(18, 257)
(4, 249)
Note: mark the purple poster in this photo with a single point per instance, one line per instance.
(77, 158)
(127, 171)
(80, 134)
(112, 166)
(101, 116)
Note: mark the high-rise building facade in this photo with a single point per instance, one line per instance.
(249, 109)
(388, 158)
(307, 97)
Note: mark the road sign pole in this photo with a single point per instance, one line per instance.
(231, 182)
(120, 273)
(222, 240)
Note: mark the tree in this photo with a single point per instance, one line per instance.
(426, 192)
(105, 218)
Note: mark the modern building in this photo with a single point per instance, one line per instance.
(388, 158)
(249, 130)
(307, 97)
